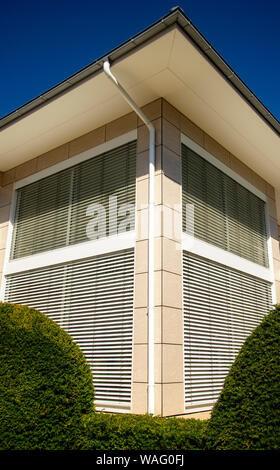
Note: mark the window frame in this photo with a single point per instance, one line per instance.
(206, 250)
(216, 254)
(73, 252)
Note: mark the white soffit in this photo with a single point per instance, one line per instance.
(168, 66)
(214, 105)
(87, 106)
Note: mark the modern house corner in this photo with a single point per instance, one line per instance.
(75, 218)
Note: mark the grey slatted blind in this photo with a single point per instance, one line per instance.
(52, 212)
(92, 300)
(225, 213)
(95, 181)
(221, 308)
(41, 215)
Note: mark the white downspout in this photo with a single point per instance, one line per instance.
(139, 112)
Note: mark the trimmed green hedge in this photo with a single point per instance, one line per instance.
(45, 383)
(102, 431)
(46, 396)
(247, 413)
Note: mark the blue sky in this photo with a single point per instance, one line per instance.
(44, 42)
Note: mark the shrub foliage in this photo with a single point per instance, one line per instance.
(247, 413)
(102, 431)
(45, 383)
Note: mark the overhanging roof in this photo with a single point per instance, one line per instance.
(170, 59)
(176, 16)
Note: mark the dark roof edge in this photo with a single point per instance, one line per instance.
(176, 15)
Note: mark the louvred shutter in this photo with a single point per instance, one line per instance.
(92, 300)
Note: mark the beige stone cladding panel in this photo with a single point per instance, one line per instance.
(168, 280)
(53, 157)
(140, 327)
(168, 324)
(168, 271)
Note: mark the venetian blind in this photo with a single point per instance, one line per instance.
(52, 212)
(226, 214)
(221, 308)
(92, 300)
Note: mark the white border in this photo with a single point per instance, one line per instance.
(218, 255)
(71, 253)
(101, 407)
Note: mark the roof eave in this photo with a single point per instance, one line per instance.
(176, 16)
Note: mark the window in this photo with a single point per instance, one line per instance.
(52, 212)
(226, 214)
(222, 306)
(85, 285)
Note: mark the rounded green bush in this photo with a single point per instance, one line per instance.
(247, 413)
(45, 383)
